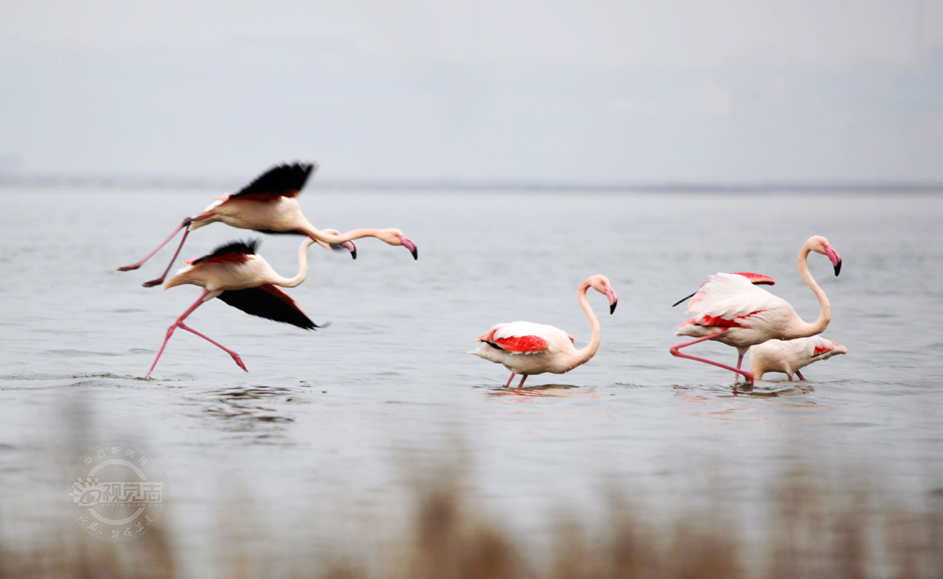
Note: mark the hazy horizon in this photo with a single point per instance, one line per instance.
(605, 92)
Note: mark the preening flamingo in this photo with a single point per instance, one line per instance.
(238, 276)
(268, 205)
(790, 355)
(733, 311)
(526, 348)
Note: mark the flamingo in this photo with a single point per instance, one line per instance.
(526, 348)
(790, 355)
(268, 205)
(733, 311)
(235, 274)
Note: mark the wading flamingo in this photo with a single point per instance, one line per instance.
(236, 275)
(733, 311)
(526, 348)
(791, 355)
(268, 205)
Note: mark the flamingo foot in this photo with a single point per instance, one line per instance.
(153, 282)
(131, 267)
(238, 360)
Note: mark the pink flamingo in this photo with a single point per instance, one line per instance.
(526, 348)
(788, 356)
(268, 205)
(236, 275)
(733, 311)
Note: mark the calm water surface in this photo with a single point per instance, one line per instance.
(329, 427)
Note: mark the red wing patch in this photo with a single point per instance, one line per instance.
(822, 350)
(223, 258)
(522, 344)
(718, 322)
(756, 278)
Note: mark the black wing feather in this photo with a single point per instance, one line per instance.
(279, 180)
(244, 247)
(258, 302)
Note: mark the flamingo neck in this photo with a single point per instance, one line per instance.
(337, 239)
(584, 355)
(302, 267)
(801, 329)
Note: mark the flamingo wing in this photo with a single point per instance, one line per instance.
(280, 181)
(519, 338)
(234, 251)
(728, 300)
(269, 302)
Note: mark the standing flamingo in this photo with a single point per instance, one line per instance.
(790, 355)
(735, 312)
(268, 205)
(244, 280)
(526, 348)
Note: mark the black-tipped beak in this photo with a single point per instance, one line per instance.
(415, 253)
(838, 268)
(612, 307)
(410, 245)
(353, 253)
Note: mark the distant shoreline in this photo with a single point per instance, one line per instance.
(138, 183)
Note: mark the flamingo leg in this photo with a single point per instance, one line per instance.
(186, 222)
(509, 379)
(790, 377)
(799, 374)
(674, 352)
(234, 355)
(170, 330)
(160, 280)
(524, 377)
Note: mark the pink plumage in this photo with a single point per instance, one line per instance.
(526, 348)
(789, 356)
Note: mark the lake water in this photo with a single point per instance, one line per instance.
(333, 425)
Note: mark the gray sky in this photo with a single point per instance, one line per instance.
(491, 90)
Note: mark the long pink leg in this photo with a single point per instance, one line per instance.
(509, 379)
(160, 280)
(234, 355)
(674, 352)
(524, 377)
(799, 374)
(179, 323)
(186, 222)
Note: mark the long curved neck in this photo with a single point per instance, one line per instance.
(803, 329)
(302, 267)
(589, 351)
(337, 239)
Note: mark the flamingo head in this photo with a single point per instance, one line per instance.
(819, 244)
(348, 245)
(601, 284)
(396, 237)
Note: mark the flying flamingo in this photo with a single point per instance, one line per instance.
(791, 355)
(268, 205)
(238, 276)
(526, 348)
(733, 311)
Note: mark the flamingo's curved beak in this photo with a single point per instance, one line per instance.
(349, 246)
(613, 299)
(834, 258)
(410, 245)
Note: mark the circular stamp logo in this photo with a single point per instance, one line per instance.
(116, 492)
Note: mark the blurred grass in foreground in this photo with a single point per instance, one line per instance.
(815, 531)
